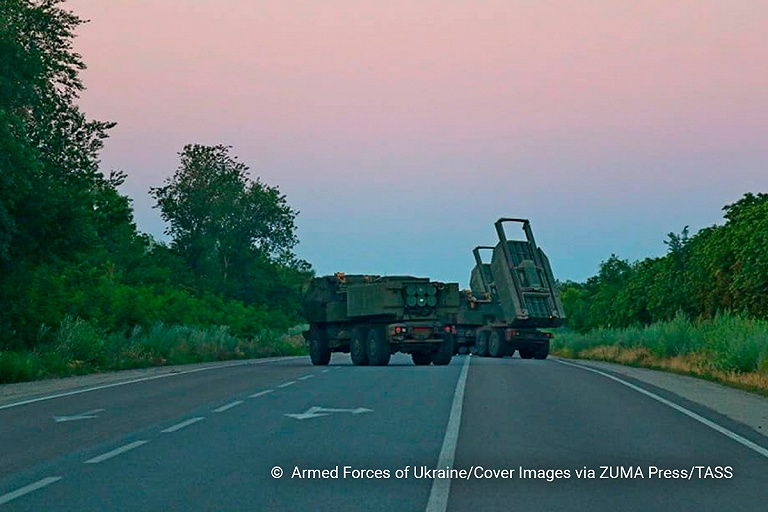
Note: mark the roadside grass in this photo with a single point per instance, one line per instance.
(730, 349)
(78, 348)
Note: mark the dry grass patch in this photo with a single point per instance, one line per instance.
(696, 365)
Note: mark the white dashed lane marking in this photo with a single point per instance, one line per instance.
(228, 406)
(116, 452)
(183, 424)
(18, 493)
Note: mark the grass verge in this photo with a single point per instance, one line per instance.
(78, 348)
(729, 349)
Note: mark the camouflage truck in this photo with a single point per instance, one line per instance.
(510, 299)
(372, 317)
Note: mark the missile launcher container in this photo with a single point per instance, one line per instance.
(510, 299)
(371, 317)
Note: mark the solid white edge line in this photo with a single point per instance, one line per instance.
(143, 379)
(261, 393)
(714, 426)
(286, 384)
(115, 452)
(18, 493)
(228, 406)
(441, 487)
(181, 425)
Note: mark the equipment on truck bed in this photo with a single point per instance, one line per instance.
(509, 300)
(371, 317)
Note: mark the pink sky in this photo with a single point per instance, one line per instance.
(430, 119)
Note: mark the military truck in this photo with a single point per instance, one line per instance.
(510, 299)
(371, 317)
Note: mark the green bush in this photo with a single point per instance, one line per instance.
(728, 342)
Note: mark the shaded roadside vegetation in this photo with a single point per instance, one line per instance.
(80, 288)
(78, 348)
(700, 309)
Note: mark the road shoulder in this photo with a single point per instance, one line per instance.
(21, 391)
(746, 408)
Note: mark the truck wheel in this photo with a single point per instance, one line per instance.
(495, 345)
(444, 352)
(542, 351)
(526, 353)
(319, 351)
(357, 347)
(379, 350)
(481, 344)
(421, 358)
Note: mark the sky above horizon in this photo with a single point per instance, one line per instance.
(402, 130)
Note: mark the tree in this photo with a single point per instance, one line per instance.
(223, 224)
(59, 215)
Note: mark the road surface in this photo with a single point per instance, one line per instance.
(284, 435)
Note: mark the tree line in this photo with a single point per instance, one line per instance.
(69, 247)
(721, 268)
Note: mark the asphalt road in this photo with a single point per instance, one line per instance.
(517, 435)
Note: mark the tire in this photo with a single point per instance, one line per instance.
(421, 358)
(481, 343)
(496, 344)
(444, 353)
(542, 351)
(526, 353)
(319, 351)
(379, 350)
(358, 349)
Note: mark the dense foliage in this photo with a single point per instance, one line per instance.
(721, 268)
(69, 249)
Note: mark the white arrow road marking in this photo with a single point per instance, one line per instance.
(316, 412)
(77, 417)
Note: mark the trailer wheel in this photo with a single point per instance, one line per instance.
(379, 351)
(319, 351)
(526, 353)
(495, 345)
(444, 353)
(357, 347)
(481, 343)
(421, 358)
(542, 351)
